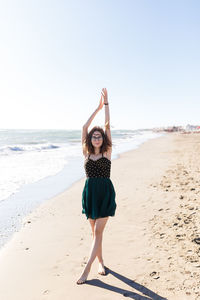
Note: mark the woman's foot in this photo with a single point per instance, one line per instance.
(84, 276)
(101, 269)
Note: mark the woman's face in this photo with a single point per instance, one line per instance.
(97, 139)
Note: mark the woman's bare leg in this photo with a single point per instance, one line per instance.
(101, 269)
(98, 233)
(99, 252)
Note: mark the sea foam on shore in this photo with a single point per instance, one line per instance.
(39, 164)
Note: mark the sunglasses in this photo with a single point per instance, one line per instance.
(96, 137)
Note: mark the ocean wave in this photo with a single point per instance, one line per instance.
(8, 149)
(50, 147)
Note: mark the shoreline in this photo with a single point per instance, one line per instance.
(14, 208)
(45, 258)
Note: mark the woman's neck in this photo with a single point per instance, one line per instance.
(96, 151)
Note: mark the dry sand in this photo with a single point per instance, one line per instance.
(149, 246)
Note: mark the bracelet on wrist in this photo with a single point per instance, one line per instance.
(106, 103)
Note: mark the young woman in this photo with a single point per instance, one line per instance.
(98, 196)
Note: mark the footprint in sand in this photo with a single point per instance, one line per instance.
(154, 275)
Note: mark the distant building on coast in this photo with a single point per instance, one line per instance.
(192, 128)
(168, 129)
(183, 129)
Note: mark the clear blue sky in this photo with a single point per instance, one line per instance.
(56, 56)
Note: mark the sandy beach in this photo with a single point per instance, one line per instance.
(150, 247)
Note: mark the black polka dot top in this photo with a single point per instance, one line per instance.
(98, 168)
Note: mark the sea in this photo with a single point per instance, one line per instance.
(36, 165)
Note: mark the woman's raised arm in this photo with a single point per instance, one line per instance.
(89, 121)
(107, 115)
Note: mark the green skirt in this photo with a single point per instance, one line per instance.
(98, 198)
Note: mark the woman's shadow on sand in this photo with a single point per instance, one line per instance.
(126, 293)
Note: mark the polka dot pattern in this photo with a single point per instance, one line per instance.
(98, 168)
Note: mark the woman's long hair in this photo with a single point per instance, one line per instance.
(105, 144)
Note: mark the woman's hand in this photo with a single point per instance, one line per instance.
(105, 95)
(104, 98)
(100, 103)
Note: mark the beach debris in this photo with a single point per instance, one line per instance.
(191, 208)
(162, 235)
(186, 221)
(46, 292)
(152, 273)
(190, 216)
(181, 197)
(196, 240)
